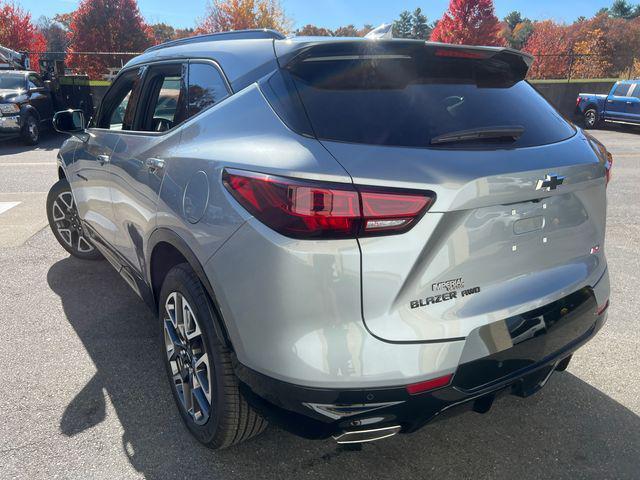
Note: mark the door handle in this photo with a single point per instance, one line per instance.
(102, 159)
(154, 164)
(629, 103)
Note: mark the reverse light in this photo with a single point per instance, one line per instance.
(308, 209)
(429, 385)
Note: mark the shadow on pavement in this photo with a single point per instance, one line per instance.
(49, 140)
(570, 429)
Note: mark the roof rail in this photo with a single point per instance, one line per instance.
(214, 37)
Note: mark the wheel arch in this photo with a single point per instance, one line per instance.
(167, 249)
(30, 110)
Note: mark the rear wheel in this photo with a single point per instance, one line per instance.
(31, 130)
(591, 118)
(66, 224)
(198, 364)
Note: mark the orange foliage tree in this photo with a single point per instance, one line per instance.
(18, 33)
(593, 56)
(469, 22)
(227, 15)
(106, 26)
(550, 44)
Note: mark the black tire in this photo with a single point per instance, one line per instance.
(30, 130)
(591, 118)
(65, 223)
(230, 419)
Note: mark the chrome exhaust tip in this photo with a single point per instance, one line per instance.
(363, 436)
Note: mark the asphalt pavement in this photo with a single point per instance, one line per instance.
(84, 395)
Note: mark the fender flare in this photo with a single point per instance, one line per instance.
(166, 235)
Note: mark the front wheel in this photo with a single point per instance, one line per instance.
(591, 118)
(65, 222)
(31, 131)
(198, 365)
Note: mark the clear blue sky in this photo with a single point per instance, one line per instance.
(333, 13)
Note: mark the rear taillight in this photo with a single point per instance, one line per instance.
(608, 165)
(578, 100)
(306, 209)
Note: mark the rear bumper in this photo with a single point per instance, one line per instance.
(542, 339)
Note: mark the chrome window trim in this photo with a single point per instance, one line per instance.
(145, 65)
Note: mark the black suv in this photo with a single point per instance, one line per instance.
(26, 105)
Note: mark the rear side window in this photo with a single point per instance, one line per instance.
(206, 87)
(636, 90)
(407, 95)
(622, 90)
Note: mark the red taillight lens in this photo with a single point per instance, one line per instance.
(578, 100)
(429, 384)
(608, 166)
(304, 209)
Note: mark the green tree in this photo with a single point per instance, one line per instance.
(513, 19)
(420, 27)
(402, 27)
(623, 9)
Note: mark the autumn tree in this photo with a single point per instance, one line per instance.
(469, 22)
(550, 44)
(18, 32)
(162, 32)
(106, 26)
(227, 15)
(592, 56)
(313, 31)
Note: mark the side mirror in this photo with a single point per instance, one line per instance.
(71, 122)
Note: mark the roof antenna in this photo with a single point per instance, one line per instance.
(383, 32)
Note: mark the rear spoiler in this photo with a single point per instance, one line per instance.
(292, 52)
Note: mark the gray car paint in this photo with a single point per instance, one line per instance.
(294, 308)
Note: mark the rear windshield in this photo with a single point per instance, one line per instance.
(408, 96)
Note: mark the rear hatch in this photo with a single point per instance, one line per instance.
(519, 216)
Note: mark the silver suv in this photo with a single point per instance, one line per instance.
(347, 237)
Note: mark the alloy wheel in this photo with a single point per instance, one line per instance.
(67, 223)
(32, 128)
(591, 118)
(188, 358)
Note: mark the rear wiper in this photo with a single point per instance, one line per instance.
(512, 132)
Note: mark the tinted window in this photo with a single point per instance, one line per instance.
(409, 97)
(206, 87)
(165, 98)
(11, 81)
(622, 90)
(636, 90)
(118, 106)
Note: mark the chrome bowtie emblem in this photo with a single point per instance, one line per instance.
(550, 182)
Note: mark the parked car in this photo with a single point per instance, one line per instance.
(26, 105)
(622, 104)
(345, 237)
